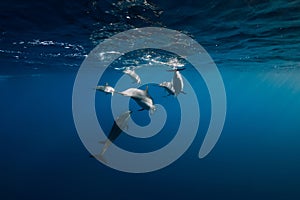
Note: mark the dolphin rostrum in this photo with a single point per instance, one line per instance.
(106, 89)
(133, 75)
(141, 97)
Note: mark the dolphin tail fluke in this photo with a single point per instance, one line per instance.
(126, 128)
(99, 157)
(152, 111)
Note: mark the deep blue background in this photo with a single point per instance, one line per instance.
(256, 46)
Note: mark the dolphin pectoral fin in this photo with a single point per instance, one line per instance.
(92, 156)
(180, 69)
(165, 96)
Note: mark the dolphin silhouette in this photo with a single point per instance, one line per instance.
(177, 81)
(133, 75)
(106, 89)
(120, 124)
(141, 97)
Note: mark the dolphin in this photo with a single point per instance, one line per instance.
(141, 97)
(106, 89)
(168, 86)
(133, 75)
(120, 124)
(177, 81)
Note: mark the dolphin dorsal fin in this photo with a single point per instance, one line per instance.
(146, 90)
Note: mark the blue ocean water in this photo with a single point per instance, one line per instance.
(255, 45)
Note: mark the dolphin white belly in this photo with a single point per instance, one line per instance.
(177, 82)
(142, 98)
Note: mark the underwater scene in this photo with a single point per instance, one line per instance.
(149, 99)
